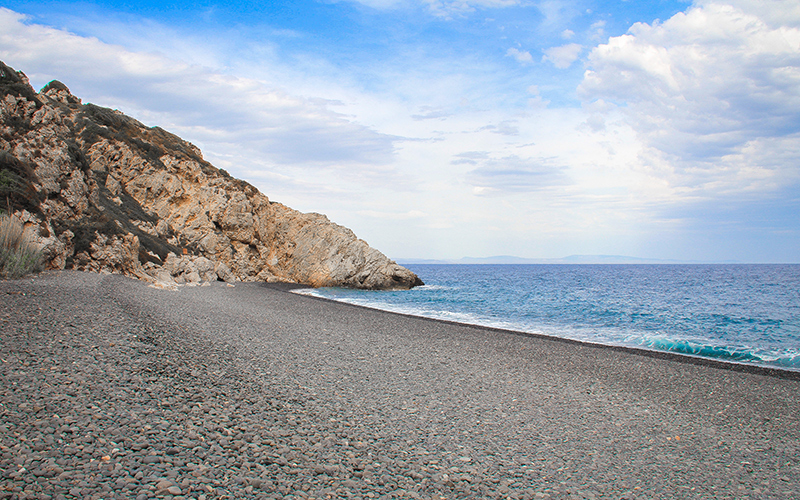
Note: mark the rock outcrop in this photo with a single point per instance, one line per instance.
(105, 193)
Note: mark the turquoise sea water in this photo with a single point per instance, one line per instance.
(737, 313)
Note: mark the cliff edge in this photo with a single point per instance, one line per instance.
(102, 192)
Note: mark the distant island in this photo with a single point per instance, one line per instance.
(572, 259)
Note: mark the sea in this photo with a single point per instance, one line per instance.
(746, 314)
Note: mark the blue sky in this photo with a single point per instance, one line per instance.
(449, 128)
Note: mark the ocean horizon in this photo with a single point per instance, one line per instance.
(738, 313)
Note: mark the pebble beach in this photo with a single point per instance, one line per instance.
(114, 389)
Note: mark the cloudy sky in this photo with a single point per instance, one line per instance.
(448, 128)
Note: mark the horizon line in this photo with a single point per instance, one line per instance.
(577, 259)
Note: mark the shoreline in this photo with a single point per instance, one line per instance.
(773, 371)
(113, 389)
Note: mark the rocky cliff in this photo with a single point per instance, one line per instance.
(105, 193)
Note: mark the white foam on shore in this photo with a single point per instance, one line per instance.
(457, 317)
(788, 359)
(592, 337)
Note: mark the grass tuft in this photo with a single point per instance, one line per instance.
(19, 255)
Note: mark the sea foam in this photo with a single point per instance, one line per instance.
(735, 313)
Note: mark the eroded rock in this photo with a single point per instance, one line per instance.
(112, 195)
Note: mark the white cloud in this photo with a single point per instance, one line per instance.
(431, 113)
(506, 127)
(511, 173)
(598, 29)
(441, 8)
(219, 111)
(463, 5)
(536, 101)
(562, 57)
(775, 13)
(521, 56)
(411, 214)
(470, 157)
(595, 123)
(557, 13)
(382, 4)
(711, 92)
(675, 114)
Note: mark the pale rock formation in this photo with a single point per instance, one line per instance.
(109, 194)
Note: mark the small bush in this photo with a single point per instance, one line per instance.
(16, 184)
(18, 254)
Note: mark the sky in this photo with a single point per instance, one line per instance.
(441, 129)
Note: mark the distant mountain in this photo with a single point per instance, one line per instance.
(571, 259)
(615, 259)
(499, 259)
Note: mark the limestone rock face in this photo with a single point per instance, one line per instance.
(109, 194)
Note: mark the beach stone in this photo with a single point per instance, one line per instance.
(267, 393)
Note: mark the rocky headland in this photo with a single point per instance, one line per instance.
(102, 192)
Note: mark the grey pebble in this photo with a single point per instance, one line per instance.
(112, 389)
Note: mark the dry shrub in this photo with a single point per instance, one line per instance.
(19, 254)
